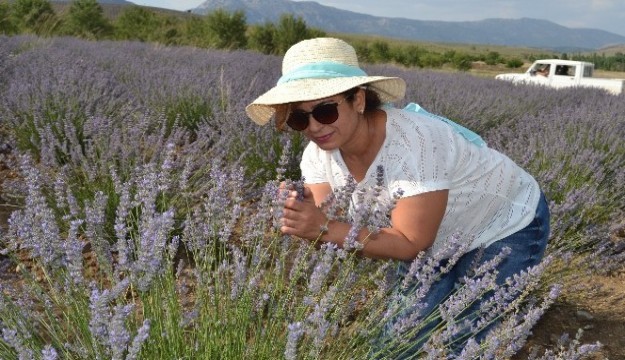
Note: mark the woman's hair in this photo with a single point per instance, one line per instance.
(372, 99)
(372, 102)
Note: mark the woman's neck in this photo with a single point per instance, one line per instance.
(367, 141)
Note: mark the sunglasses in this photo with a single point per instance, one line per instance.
(325, 113)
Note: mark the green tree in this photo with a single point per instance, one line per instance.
(7, 23)
(380, 52)
(289, 31)
(514, 63)
(137, 23)
(86, 19)
(227, 30)
(195, 32)
(170, 30)
(362, 51)
(261, 38)
(314, 33)
(462, 61)
(432, 60)
(619, 62)
(408, 55)
(493, 58)
(34, 15)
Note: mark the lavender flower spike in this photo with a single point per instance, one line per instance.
(295, 333)
(49, 353)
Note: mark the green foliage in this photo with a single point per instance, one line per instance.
(313, 33)
(462, 62)
(7, 23)
(362, 51)
(379, 52)
(86, 19)
(493, 58)
(271, 38)
(261, 38)
(195, 32)
(188, 113)
(34, 16)
(257, 166)
(615, 62)
(514, 63)
(137, 23)
(409, 55)
(289, 31)
(53, 116)
(227, 30)
(432, 60)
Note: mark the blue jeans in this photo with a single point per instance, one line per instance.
(527, 249)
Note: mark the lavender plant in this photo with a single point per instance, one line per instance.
(206, 290)
(148, 201)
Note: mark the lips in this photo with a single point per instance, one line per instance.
(323, 139)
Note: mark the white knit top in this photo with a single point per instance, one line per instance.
(490, 197)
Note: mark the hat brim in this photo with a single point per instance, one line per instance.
(262, 109)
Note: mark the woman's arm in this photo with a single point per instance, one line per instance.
(415, 221)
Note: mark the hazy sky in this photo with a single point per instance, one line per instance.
(606, 15)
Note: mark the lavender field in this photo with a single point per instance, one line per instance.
(143, 207)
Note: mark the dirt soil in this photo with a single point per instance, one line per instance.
(597, 306)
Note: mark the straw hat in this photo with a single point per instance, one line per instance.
(316, 69)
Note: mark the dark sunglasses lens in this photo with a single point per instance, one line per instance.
(326, 113)
(298, 120)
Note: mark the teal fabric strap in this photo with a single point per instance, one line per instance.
(466, 133)
(322, 70)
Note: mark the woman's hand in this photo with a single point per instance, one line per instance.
(301, 217)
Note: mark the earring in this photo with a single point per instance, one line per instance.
(361, 111)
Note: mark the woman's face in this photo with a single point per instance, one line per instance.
(329, 136)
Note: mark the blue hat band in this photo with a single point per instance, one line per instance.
(322, 70)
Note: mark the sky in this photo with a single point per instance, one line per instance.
(608, 15)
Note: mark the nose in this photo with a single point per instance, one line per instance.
(313, 124)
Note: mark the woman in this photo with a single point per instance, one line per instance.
(448, 179)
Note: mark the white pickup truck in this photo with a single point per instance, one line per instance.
(563, 74)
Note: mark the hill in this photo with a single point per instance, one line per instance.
(108, 2)
(524, 32)
(112, 8)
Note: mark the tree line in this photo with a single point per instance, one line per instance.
(221, 29)
(86, 19)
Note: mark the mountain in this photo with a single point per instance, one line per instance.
(524, 32)
(108, 2)
(111, 2)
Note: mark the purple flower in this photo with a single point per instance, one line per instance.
(322, 268)
(151, 247)
(296, 331)
(13, 339)
(73, 252)
(239, 273)
(118, 334)
(35, 226)
(142, 335)
(49, 353)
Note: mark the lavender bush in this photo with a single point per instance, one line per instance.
(148, 201)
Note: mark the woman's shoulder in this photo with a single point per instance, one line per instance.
(403, 123)
(403, 119)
